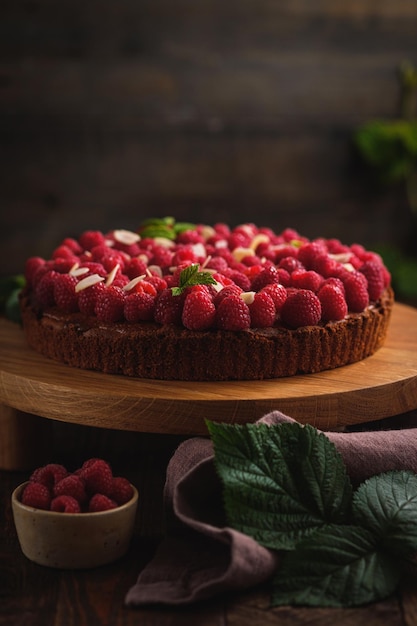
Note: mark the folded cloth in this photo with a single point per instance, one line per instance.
(201, 556)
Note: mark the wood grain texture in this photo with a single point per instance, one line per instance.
(381, 386)
(114, 112)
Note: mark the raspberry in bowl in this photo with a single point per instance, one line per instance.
(75, 520)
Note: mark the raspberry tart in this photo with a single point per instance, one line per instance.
(178, 301)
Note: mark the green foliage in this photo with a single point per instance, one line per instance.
(165, 227)
(287, 487)
(389, 147)
(10, 287)
(191, 276)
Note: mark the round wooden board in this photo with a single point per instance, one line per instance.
(381, 386)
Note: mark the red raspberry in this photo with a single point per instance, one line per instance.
(356, 290)
(199, 311)
(267, 276)
(144, 286)
(157, 282)
(290, 234)
(168, 308)
(284, 277)
(71, 485)
(63, 266)
(112, 259)
(333, 303)
(63, 252)
(262, 310)
(110, 304)
(99, 252)
(217, 263)
(73, 245)
(184, 255)
(65, 504)
(32, 265)
(49, 475)
(278, 294)
(306, 279)
(336, 282)
(308, 253)
(162, 256)
(136, 267)
(100, 502)
(222, 229)
(44, 290)
(87, 298)
(91, 462)
(98, 477)
(91, 238)
(94, 268)
(238, 240)
(290, 263)
(36, 495)
(325, 265)
(190, 236)
(233, 314)
(122, 490)
(64, 293)
(374, 274)
(139, 307)
(283, 251)
(238, 278)
(230, 290)
(301, 308)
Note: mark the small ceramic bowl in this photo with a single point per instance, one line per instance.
(73, 540)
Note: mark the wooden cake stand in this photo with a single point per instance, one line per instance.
(383, 385)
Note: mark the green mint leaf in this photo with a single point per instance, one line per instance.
(182, 227)
(387, 505)
(334, 567)
(158, 221)
(10, 287)
(191, 276)
(280, 482)
(158, 227)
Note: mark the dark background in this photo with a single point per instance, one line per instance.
(112, 111)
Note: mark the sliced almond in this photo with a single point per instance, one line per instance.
(126, 237)
(79, 271)
(88, 281)
(259, 238)
(248, 296)
(134, 282)
(207, 232)
(164, 241)
(112, 275)
(239, 253)
(151, 270)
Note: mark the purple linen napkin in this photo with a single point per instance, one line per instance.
(201, 556)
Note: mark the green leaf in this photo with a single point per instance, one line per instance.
(387, 505)
(280, 482)
(191, 276)
(389, 147)
(163, 227)
(10, 287)
(181, 227)
(334, 567)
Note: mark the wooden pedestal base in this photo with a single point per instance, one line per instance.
(24, 439)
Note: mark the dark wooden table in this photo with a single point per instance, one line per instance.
(31, 595)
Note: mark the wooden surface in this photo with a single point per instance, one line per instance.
(32, 595)
(112, 112)
(381, 386)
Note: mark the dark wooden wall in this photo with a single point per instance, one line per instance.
(112, 111)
